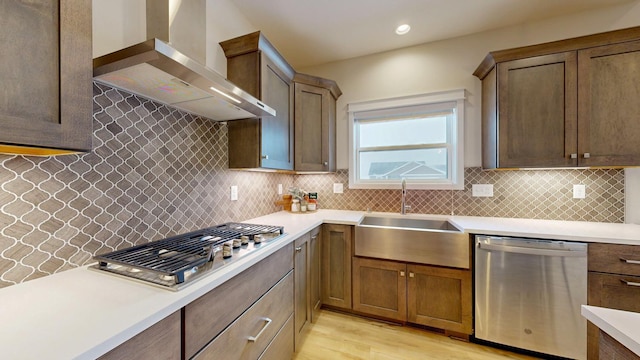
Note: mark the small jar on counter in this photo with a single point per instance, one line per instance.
(295, 205)
(312, 205)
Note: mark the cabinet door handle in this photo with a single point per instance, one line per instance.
(587, 155)
(267, 322)
(411, 274)
(629, 261)
(630, 283)
(299, 248)
(402, 273)
(574, 156)
(326, 163)
(314, 237)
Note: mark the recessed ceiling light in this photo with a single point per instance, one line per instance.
(403, 29)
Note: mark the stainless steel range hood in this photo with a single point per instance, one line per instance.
(155, 70)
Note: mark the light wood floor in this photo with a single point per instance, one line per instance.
(339, 336)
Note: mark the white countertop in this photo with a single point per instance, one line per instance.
(624, 326)
(82, 314)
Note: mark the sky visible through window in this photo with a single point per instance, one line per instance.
(412, 131)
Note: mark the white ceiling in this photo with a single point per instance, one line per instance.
(311, 32)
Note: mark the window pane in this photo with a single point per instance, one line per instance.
(415, 131)
(403, 164)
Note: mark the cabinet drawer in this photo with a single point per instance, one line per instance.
(610, 291)
(282, 345)
(159, 342)
(207, 316)
(613, 291)
(250, 334)
(615, 259)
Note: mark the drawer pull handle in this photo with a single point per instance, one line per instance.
(299, 248)
(630, 283)
(637, 262)
(401, 273)
(267, 322)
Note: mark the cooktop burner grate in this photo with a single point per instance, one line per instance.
(174, 257)
(251, 229)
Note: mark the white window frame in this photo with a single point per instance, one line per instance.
(455, 156)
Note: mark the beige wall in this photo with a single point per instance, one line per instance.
(117, 24)
(121, 23)
(449, 64)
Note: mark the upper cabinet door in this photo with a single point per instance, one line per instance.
(45, 102)
(609, 105)
(315, 129)
(277, 131)
(537, 102)
(257, 67)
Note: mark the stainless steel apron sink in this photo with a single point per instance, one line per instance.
(423, 241)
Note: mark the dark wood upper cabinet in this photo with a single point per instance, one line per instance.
(256, 66)
(566, 103)
(537, 100)
(608, 106)
(45, 105)
(315, 123)
(302, 102)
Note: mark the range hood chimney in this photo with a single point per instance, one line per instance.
(168, 68)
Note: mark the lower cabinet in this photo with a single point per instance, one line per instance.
(610, 348)
(440, 297)
(336, 251)
(314, 272)
(614, 275)
(380, 288)
(306, 263)
(161, 341)
(280, 347)
(427, 295)
(610, 291)
(220, 310)
(249, 335)
(302, 310)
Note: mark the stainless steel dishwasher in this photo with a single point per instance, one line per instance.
(528, 294)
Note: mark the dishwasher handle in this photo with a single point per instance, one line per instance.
(531, 251)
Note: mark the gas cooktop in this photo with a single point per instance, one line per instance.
(177, 261)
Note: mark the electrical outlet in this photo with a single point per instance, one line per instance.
(279, 189)
(338, 188)
(579, 191)
(482, 190)
(234, 192)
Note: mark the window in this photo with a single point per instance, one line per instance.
(417, 138)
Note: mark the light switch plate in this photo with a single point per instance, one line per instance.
(279, 189)
(234, 192)
(482, 190)
(579, 191)
(338, 188)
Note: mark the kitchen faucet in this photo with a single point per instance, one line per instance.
(403, 206)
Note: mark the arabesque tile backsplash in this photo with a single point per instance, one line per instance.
(156, 171)
(534, 194)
